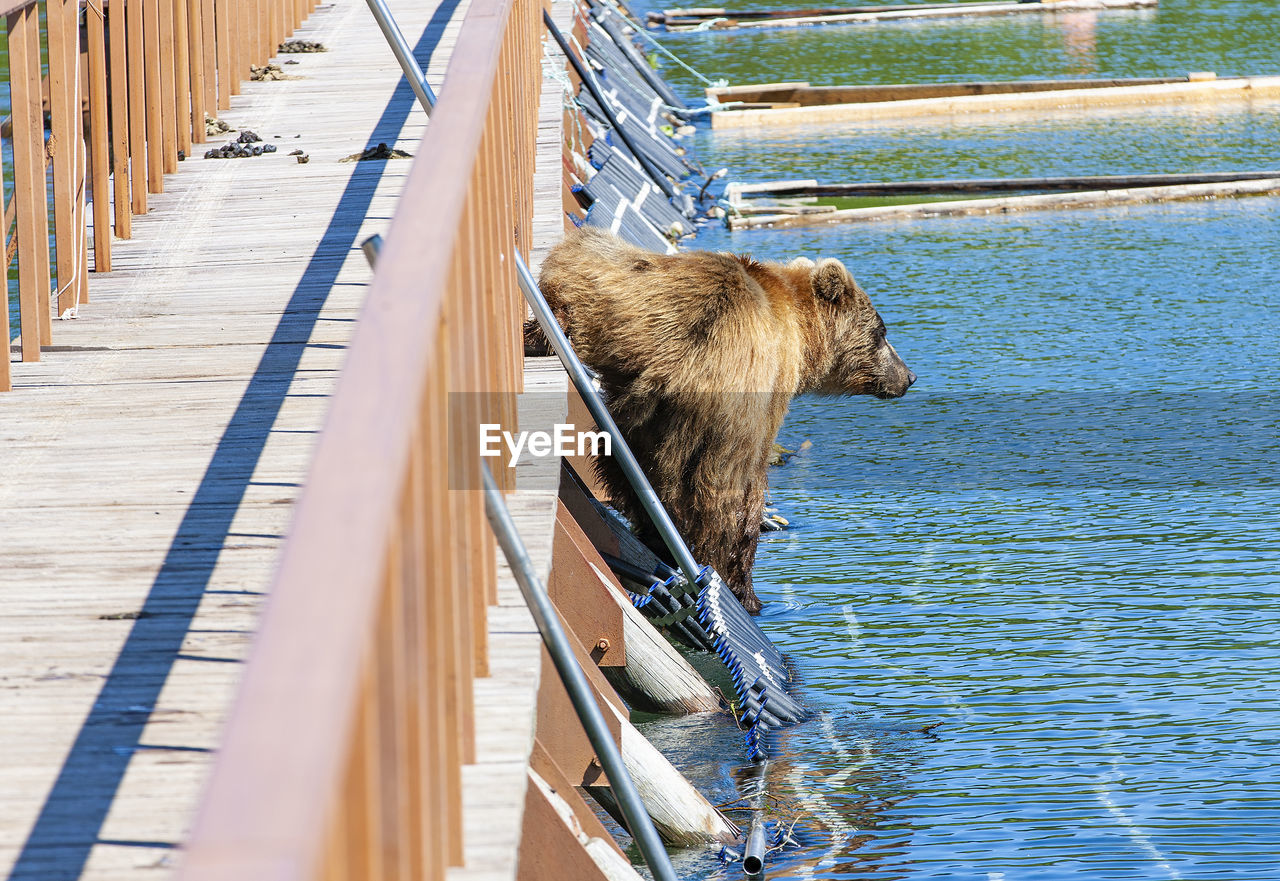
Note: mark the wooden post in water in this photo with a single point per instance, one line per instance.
(683, 817)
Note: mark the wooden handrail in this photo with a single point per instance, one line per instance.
(112, 86)
(357, 692)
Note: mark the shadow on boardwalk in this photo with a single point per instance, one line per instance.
(71, 819)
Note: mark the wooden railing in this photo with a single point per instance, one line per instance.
(343, 755)
(126, 96)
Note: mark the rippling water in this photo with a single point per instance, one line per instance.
(1036, 601)
(1230, 37)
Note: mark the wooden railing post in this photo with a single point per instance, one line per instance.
(209, 50)
(139, 91)
(198, 67)
(151, 18)
(119, 88)
(30, 192)
(225, 74)
(182, 77)
(98, 147)
(64, 111)
(168, 87)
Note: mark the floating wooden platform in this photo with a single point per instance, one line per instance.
(702, 19)
(795, 203)
(796, 104)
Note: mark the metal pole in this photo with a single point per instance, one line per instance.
(372, 247)
(577, 372)
(412, 70)
(544, 614)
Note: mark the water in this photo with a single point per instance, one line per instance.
(1230, 37)
(1035, 601)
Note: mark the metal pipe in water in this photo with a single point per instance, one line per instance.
(639, 824)
(753, 855)
(568, 357)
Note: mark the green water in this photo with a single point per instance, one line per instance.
(1036, 601)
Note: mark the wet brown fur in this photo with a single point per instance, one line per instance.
(699, 355)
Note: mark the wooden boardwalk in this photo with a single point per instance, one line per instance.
(149, 463)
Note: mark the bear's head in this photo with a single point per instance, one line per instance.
(860, 360)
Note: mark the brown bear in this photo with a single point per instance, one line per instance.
(699, 355)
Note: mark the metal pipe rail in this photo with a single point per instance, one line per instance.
(153, 69)
(575, 682)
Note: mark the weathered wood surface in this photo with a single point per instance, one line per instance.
(980, 107)
(149, 462)
(805, 95)
(1014, 204)
(1077, 183)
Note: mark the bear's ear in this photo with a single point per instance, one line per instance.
(801, 263)
(830, 279)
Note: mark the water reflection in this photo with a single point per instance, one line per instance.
(1080, 39)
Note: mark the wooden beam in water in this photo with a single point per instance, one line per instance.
(723, 19)
(1002, 185)
(1012, 204)
(1196, 88)
(805, 95)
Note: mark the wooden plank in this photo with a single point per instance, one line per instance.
(1010, 204)
(721, 19)
(1067, 100)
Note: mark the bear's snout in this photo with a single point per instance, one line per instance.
(895, 376)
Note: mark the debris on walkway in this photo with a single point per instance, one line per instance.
(214, 126)
(269, 72)
(382, 151)
(239, 150)
(299, 46)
